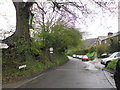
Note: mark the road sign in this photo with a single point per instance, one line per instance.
(51, 49)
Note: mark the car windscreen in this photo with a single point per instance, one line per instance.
(118, 55)
(84, 56)
(113, 55)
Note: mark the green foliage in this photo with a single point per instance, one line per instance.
(60, 37)
(100, 49)
(15, 56)
(14, 73)
(31, 20)
(112, 65)
(114, 44)
(11, 62)
(77, 52)
(22, 49)
(35, 52)
(67, 37)
(89, 50)
(59, 58)
(91, 55)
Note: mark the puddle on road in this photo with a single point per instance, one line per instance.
(90, 66)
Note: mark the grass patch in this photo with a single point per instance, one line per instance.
(33, 66)
(59, 58)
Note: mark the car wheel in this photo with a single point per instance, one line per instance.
(107, 63)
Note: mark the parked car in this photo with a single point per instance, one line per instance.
(85, 58)
(104, 55)
(80, 56)
(74, 56)
(77, 56)
(105, 61)
(117, 75)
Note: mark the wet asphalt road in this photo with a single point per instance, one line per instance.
(73, 74)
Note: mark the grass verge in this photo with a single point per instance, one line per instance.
(47, 61)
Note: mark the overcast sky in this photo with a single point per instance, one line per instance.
(100, 26)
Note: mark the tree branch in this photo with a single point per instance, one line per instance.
(40, 7)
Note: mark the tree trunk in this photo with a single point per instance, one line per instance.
(22, 22)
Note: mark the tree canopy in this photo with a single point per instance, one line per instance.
(60, 37)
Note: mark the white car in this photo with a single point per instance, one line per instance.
(115, 55)
(80, 56)
(74, 56)
(77, 56)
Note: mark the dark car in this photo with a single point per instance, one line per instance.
(117, 75)
(104, 55)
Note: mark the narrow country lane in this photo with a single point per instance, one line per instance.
(70, 75)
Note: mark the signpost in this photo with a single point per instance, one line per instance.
(51, 49)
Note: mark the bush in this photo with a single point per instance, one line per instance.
(77, 52)
(100, 50)
(91, 49)
(112, 65)
(60, 37)
(91, 56)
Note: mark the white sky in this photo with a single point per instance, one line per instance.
(7, 17)
(103, 22)
(100, 27)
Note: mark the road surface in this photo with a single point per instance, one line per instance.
(73, 74)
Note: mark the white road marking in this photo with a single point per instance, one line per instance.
(28, 81)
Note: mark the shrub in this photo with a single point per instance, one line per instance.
(91, 55)
(112, 65)
(91, 49)
(10, 65)
(100, 50)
